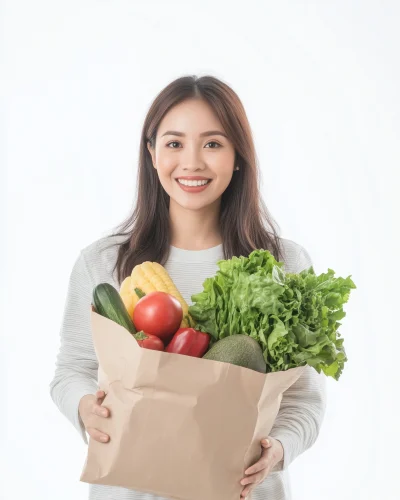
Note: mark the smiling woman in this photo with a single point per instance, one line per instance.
(195, 131)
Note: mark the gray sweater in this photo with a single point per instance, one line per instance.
(303, 405)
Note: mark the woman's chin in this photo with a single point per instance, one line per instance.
(192, 204)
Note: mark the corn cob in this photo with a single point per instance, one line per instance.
(128, 298)
(151, 277)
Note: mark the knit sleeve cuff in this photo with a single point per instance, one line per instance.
(286, 441)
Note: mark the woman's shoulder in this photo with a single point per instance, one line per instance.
(295, 256)
(102, 245)
(100, 255)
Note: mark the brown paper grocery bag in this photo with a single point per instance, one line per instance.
(180, 427)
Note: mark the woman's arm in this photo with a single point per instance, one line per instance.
(303, 405)
(300, 416)
(76, 365)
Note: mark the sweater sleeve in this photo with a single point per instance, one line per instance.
(303, 405)
(76, 365)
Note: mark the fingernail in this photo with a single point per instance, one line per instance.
(104, 438)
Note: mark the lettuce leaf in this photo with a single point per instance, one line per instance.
(294, 317)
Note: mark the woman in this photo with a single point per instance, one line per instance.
(195, 129)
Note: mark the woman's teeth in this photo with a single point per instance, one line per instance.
(193, 183)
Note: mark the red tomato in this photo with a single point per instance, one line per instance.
(158, 313)
(149, 341)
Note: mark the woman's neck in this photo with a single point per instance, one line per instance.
(194, 229)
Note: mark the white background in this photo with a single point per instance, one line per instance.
(320, 83)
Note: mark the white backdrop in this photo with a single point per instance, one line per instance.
(319, 81)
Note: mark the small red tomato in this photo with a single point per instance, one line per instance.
(149, 341)
(158, 313)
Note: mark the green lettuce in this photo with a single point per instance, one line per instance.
(294, 317)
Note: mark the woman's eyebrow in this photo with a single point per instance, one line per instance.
(203, 134)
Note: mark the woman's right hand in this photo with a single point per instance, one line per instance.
(90, 410)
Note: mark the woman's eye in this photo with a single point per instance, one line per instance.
(211, 142)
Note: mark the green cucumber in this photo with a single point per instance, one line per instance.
(240, 350)
(109, 304)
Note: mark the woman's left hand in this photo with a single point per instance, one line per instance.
(272, 453)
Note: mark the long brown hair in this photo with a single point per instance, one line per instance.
(242, 211)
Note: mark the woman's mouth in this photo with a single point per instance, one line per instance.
(194, 189)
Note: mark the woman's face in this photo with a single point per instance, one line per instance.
(191, 154)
